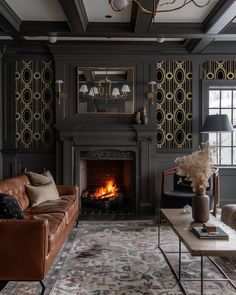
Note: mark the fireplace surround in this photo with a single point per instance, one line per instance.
(88, 148)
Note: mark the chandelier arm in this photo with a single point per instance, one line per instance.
(176, 8)
(199, 5)
(184, 4)
(167, 3)
(155, 5)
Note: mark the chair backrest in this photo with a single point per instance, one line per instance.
(183, 184)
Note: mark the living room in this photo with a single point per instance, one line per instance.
(87, 91)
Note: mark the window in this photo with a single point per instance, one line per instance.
(222, 100)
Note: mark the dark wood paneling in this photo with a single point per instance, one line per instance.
(9, 128)
(1, 121)
(14, 162)
(35, 28)
(143, 57)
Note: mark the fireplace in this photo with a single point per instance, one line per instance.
(90, 155)
(107, 182)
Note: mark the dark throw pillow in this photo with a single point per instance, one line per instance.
(10, 208)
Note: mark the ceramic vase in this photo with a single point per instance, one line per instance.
(201, 208)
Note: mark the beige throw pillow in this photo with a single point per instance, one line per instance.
(49, 175)
(43, 189)
(39, 179)
(42, 193)
(42, 179)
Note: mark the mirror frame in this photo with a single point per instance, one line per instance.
(131, 83)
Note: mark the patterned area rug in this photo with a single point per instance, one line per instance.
(120, 258)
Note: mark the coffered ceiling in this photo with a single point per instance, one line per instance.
(74, 20)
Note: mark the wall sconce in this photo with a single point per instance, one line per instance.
(61, 94)
(152, 85)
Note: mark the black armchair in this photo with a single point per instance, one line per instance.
(176, 191)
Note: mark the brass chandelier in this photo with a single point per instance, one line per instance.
(171, 5)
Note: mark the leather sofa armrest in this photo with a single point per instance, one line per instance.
(24, 248)
(64, 190)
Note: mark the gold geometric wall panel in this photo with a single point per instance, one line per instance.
(174, 104)
(34, 104)
(219, 70)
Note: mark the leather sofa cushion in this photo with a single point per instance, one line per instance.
(59, 213)
(56, 222)
(73, 208)
(65, 205)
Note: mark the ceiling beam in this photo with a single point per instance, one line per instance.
(120, 30)
(231, 29)
(75, 14)
(31, 28)
(140, 22)
(9, 21)
(218, 19)
(109, 29)
(176, 28)
(43, 28)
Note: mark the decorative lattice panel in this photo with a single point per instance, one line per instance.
(220, 70)
(34, 104)
(174, 104)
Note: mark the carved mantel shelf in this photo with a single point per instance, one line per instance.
(104, 134)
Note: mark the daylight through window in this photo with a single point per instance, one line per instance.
(222, 100)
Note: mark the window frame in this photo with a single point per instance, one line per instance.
(206, 85)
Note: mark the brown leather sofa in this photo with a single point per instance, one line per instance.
(28, 247)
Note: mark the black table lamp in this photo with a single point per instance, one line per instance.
(217, 123)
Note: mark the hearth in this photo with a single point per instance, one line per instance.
(107, 184)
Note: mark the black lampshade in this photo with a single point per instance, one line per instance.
(217, 123)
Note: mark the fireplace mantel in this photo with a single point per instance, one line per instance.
(139, 139)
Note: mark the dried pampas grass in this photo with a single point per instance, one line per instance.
(197, 168)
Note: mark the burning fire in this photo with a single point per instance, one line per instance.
(109, 190)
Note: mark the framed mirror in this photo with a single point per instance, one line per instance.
(108, 90)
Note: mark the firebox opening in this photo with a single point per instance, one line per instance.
(107, 186)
